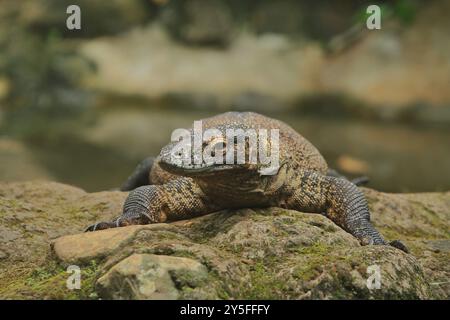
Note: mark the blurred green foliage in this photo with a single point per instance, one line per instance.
(403, 10)
(43, 74)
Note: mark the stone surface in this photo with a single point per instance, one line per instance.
(93, 245)
(76, 249)
(241, 254)
(149, 276)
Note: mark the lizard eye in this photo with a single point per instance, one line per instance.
(217, 146)
(176, 155)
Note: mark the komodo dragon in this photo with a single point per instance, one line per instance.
(168, 190)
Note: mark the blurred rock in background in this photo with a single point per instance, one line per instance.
(99, 17)
(199, 22)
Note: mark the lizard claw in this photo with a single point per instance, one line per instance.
(121, 221)
(99, 226)
(399, 245)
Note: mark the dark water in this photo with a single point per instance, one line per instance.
(397, 158)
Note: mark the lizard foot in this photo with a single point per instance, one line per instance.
(122, 221)
(399, 245)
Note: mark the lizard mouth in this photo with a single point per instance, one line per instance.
(198, 170)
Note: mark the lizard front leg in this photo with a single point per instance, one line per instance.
(339, 199)
(178, 199)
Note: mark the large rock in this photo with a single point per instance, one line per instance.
(241, 254)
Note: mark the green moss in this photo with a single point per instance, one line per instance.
(318, 248)
(164, 250)
(49, 282)
(307, 273)
(222, 293)
(236, 249)
(263, 285)
(188, 278)
(185, 254)
(318, 255)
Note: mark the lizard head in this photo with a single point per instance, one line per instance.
(222, 149)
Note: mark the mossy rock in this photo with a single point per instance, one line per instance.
(269, 253)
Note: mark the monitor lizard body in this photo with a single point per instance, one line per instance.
(169, 189)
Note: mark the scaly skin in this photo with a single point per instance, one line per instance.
(178, 191)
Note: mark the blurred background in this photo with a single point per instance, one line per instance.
(85, 106)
